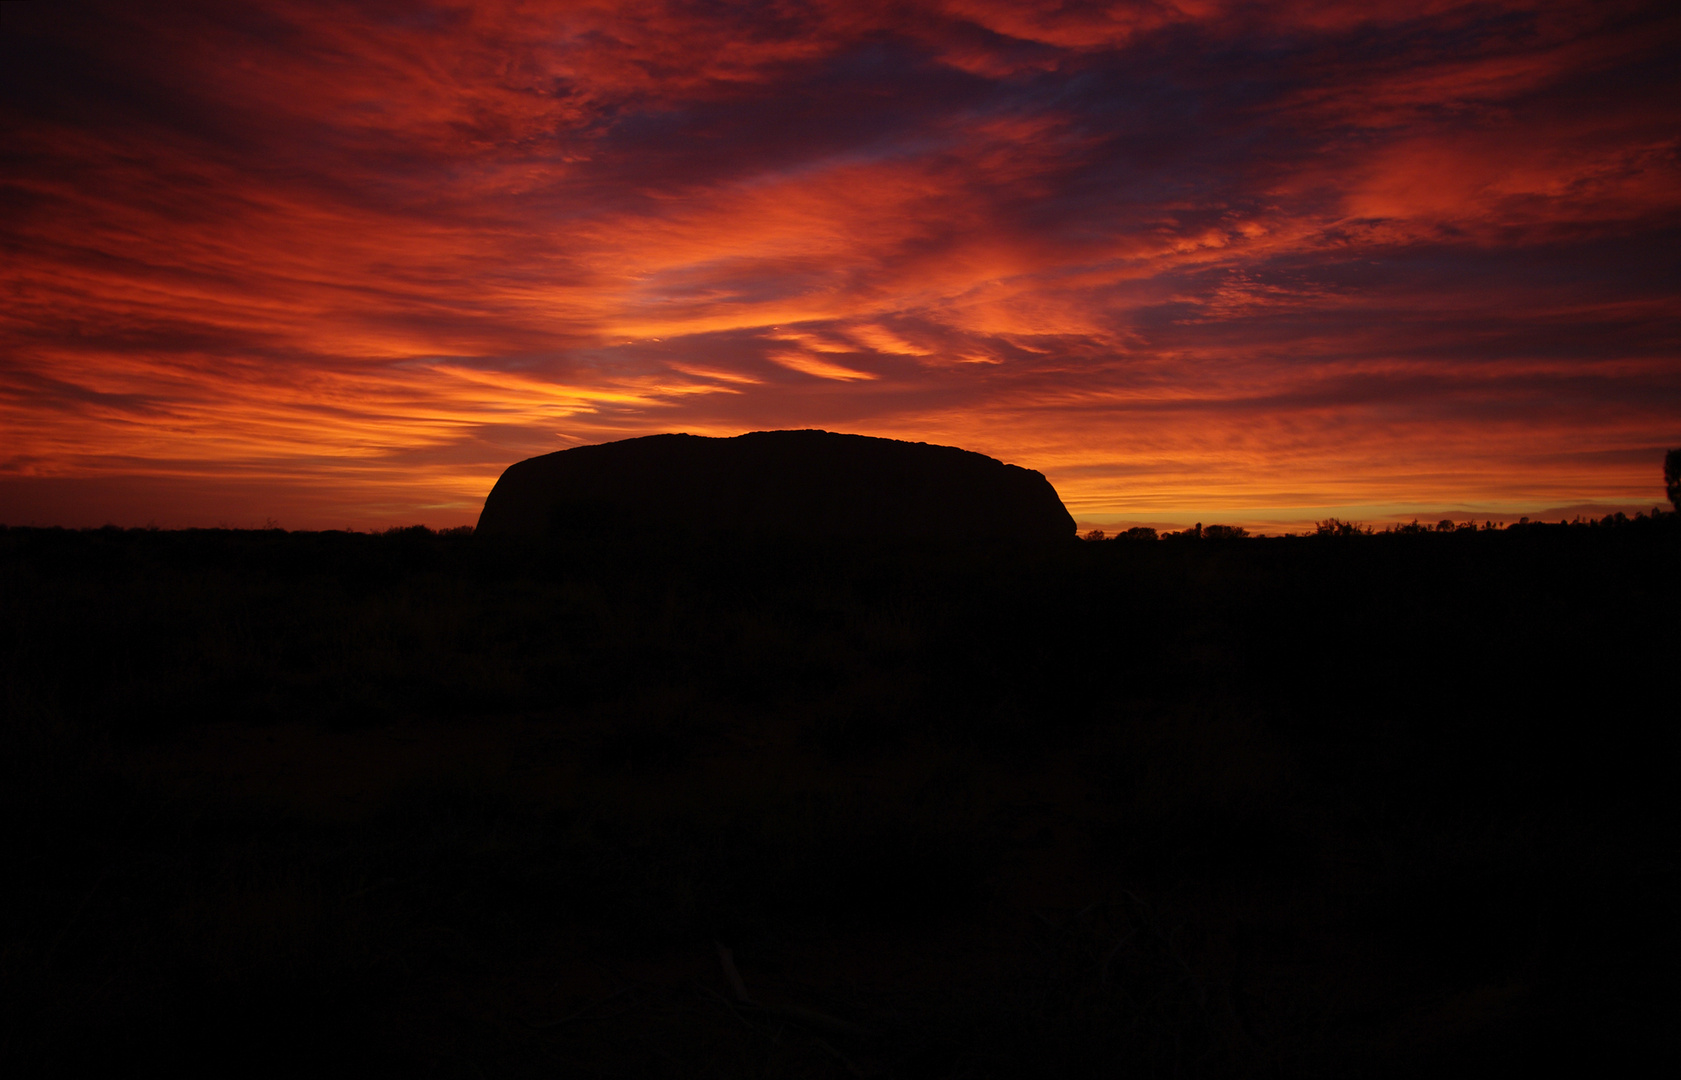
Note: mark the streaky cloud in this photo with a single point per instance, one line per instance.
(1185, 259)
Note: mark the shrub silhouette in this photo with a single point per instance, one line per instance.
(1338, 527)
(1672, 478)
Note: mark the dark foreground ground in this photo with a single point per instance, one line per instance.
(415, 805)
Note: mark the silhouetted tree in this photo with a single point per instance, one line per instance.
(1095, 534)
(1672, 478)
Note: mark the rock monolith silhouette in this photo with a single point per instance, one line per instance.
(775, 483)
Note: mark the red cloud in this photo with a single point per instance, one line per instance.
(1191, 260)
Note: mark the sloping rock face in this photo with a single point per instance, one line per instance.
(775, 483)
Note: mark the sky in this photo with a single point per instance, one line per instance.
(332, 265)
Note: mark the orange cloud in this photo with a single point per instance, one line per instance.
(1189, 259)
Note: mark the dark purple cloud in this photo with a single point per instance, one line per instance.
(1257, 263)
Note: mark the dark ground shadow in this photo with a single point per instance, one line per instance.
(418, 804)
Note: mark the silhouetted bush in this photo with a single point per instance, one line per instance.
(1338, 528)
(1210, 532)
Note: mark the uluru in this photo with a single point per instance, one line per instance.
(776, 483)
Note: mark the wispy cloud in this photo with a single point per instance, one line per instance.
(1190, 260)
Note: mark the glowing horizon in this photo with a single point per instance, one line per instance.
(340, 265)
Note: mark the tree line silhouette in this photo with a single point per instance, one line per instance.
(1339, 528)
